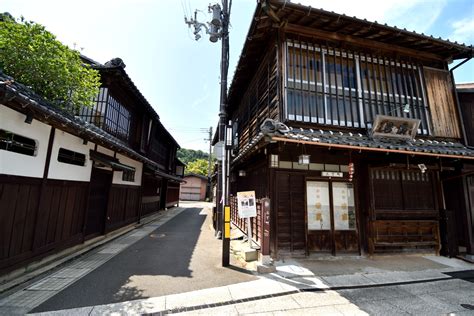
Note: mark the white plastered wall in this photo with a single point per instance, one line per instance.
(18, 164)
(64, 171)
(117, 179)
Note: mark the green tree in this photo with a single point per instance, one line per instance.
(188, 155)
(34, 57)
(198, 166)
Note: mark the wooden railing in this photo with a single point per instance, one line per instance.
(241, 223)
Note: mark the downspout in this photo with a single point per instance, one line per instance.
(458, 106)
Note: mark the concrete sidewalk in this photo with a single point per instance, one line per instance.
(294, 289)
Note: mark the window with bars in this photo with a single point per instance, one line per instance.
(16, 143)
(337, 87)
(71, 157)
(402, 189)
(128, 175)
(108, 114)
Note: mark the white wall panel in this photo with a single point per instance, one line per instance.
(105, 151)
(117, 179)
(64, 171)
(18, 164)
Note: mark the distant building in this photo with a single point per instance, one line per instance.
(193, 188)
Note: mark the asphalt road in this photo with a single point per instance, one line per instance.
(180, 256)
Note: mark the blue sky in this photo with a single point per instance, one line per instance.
(179, 76)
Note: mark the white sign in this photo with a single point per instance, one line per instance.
(332, 174)
(219, 150)
(246, 204)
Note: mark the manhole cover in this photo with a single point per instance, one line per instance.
(157, 235)
(468, 306)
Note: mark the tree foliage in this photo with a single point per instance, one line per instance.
(199, 166)
(188, 155)
(34, 57)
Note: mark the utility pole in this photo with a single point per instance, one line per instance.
(217, 29)
(209, 169)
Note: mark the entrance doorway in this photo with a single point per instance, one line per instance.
(98, 198)
(331, 222)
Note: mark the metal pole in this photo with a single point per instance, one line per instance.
(209, 193)
(222, 123)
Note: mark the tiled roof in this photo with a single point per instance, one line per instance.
(364, 142)
(9, 88)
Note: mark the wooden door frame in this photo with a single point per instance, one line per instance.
(103, 228)
(330, 181)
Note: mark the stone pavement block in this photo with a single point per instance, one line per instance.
(323, 310)
(51, 284)
(71, 273)
(254, 288)
(273, 304)
(26, 299)
(347, 280)
(200, 297)
(350, 309)
(372, 294)
(137, 307)
(380, 308)
(316, 299)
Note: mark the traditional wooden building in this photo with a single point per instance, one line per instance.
(194, 187)
(69, 176)
(352, 129)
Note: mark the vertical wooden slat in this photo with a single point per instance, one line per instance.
(369, 90)
(316, 95)
(394, 91)
(341, 60)
(336, 85)
(323, 88)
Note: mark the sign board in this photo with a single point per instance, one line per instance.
(246, 204)
(219, 150)
(395, 127)
(332, 174)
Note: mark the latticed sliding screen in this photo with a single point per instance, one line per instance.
(108, 114)
(345, 88)
(402, 190)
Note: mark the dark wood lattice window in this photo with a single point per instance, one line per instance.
(402, 190)
(128, 175)
(339, 87)
(71, 157)
(16, 143)
(108, 114)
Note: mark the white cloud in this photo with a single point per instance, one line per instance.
(463, 30)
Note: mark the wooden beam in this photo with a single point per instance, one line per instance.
(398, 151)
(324, 35)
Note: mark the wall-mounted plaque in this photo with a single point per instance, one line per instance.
(395, 127)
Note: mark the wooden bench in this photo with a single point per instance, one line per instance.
(403, 234)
